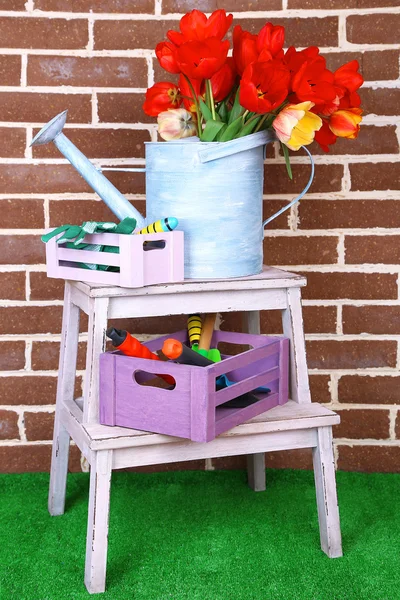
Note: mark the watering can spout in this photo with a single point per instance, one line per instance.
(116, 202)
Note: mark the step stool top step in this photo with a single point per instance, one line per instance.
(270, 278)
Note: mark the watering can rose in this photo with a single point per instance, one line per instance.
(260, 87)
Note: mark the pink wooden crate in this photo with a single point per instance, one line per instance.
(139, 264)
(193, 409)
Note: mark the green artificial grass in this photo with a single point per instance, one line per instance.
(203, 536)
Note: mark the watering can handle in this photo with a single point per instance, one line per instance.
(299, 197)
(220, 150)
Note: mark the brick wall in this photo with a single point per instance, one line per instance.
(97, 61)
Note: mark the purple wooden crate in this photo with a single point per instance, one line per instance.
(193, 409)
(139, 265)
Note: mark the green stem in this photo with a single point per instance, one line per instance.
(211, 97)
(261, 123)
(196, 105)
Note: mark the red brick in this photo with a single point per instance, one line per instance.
(190, 465)
(363, 424)
(13, 142)
(375, 176)
(96, 71)
(77, 211)
(22, 214)
(319, 386)
(39, 426)
(317, 319)
(371, 140)
(363, 389)
(28, 458)
(369, 459)
(96, 6)
(12, 286)
(21, 250)
(12, 4)
(161, 325)
(31, 390)
(30, 319)
(398, 426)
(355, 354)
(9, 425)
(372, 249)
(380, 101)
(45, 288)
(122, 108)
(328, 178)
(371, 319)
(32, 107)
(45, 356)
(373, 29)
(12, 356)
(374, 65)
(290, 459)
(348, 214)
(270, 207)
(299, 32)
(43, 33)
(300, 250)
(355, 286)
(332, 4)
(130, 35)
(55, 179)
(171, 6)
(380, 65)
(101, 143)
(229, 463)
(10, 68)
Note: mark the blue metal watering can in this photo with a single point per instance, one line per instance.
(214, 189)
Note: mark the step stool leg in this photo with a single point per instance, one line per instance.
(98, 313)
(292, 320)
(97, 531)
(325, 485)
(256, 472)
(255, 462)
(65, 393)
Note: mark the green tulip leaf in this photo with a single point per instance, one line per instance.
(206, 112)
(211, 130)
(232, 130)
(223, 112)
(221, 133)
(248, 128)
(237, 110)
(285, 151)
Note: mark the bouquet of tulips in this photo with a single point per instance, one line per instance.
(219, 97)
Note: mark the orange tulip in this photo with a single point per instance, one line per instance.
(345, 123)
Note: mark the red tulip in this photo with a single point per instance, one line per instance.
(160, 97)
(311, 80)
(201, 60)
(346, 123)
(325, 137)
(244, 48)
(264, 86)
(195, 26)
(187, 91)
(223, 80)
(270, 42)
(166, 54)
(347, 77)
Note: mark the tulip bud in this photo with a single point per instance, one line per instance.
(175, 124)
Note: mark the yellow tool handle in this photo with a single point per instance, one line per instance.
(207, 331)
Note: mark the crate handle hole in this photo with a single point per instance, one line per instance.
(154, 245)
(232, 349)
(147, 379)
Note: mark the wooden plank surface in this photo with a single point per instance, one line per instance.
(269, 278)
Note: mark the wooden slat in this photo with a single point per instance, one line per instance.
(270, 278)
(88, 256)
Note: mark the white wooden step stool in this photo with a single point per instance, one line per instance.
(298, 424)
